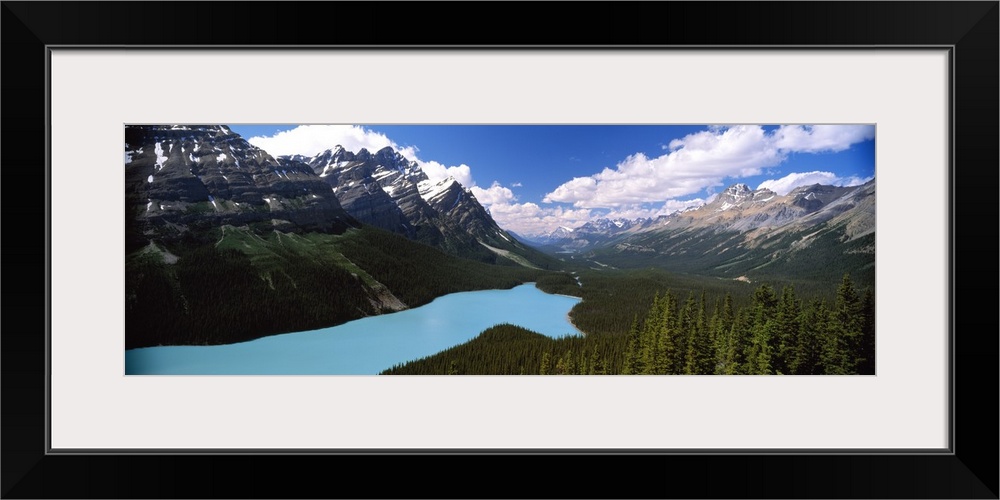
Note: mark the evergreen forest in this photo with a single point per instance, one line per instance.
(765, 331)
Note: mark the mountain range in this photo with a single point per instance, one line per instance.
(741, 230)
(589, 235)
(226, 243)
(179, 178)
(386, 190)
(183, 177)
(219, 233)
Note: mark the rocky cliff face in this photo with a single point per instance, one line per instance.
(182, 176)
(388, 191)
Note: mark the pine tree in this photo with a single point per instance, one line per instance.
(765, 297)
(787, 328)
(849, 316)
(759, 353)
(688, 321)
(560, 368)
(546, 360)
(648, 339)
(631, 365)
(700, 359)
(805, 358)
(867, 364)
(564, 365)
(596, 364)
(835, 357)
(666, 346)
(723, 324)
(739, 343)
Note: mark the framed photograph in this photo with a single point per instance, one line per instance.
(762, 128)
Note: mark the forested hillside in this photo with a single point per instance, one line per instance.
(774, 332)
(236, 284)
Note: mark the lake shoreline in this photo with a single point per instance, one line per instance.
(367, 345)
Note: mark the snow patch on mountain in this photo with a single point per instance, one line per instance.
(429, 190)
(160, 157)
(128, 155)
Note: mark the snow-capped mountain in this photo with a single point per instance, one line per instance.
(386, 190)
(743, 230)
(218, 232)
(610, 227)
(590, 235)
(561, 232)
(353, 179)
(177, 177)
(739, 208)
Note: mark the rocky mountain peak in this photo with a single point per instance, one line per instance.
(430, 191)
(387, 190)
(763, 194)
(738, 196)
(737, 190)
(387, 152)
(207, 175)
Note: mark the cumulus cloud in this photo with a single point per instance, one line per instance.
(516, 185)
(791, 181)
(310, 140)
(820, 138)
(494, 194)
(532, 220)
(702, 160)
(632, 212)
(672, 206)
(436, 172)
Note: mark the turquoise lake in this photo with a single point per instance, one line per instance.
(368, 345)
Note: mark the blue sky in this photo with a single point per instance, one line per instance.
(534, 178)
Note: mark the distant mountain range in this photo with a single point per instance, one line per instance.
(590, 235)
(741, 230)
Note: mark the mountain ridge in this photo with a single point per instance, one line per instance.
(388, 191)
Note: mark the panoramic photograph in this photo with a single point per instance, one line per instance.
(367, 249)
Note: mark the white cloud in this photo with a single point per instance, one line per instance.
(531, 220)
(701, 160)
(791, 181)
(855, 180)
(639, 211)
(494, 194)
(436, 172)
(516, 185)
(310, 140)
(819, 138)
(672, 206)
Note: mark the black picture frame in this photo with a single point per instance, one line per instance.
(969, 28)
